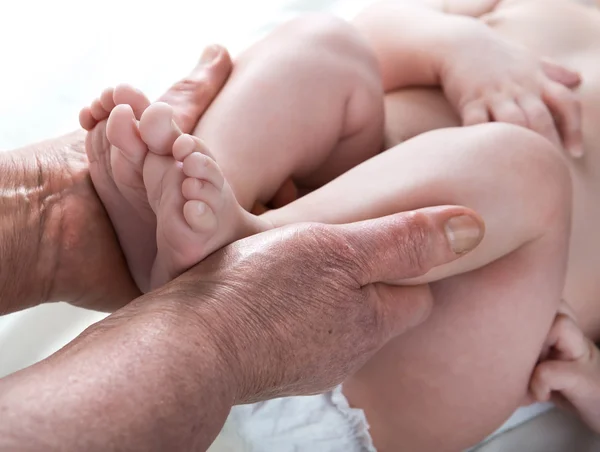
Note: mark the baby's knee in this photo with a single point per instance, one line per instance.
(324, 33)
(537, 171)
(334, 50)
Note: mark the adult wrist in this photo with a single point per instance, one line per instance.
(32, 216)
(204, 332)
(145, 378)
(57, 241)
(194, 349)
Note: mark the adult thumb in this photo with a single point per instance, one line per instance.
(409, 244)
(561, 74)
(191, 96)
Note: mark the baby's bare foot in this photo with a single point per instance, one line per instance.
(570, 374)
(197, 212)
(116, 155)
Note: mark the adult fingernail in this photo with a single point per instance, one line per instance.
(464, 233)
(209, 55)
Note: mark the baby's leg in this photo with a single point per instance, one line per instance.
(453, 380)
(410, 112)
(306, 102)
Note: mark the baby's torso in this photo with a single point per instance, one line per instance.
(569, 33)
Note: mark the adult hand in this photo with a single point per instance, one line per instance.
(290, 311)
(57, 240)
(298, 309)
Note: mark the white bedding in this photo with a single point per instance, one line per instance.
(57, 56)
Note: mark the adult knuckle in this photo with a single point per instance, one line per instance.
(200, 88)
(325, 240)
(414, 244)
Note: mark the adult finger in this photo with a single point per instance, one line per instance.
(191, 96)
(561, 74)
(409, 244)
(566, 108)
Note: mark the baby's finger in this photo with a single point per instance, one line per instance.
(560, 74)
(539, 118)
(567, 340)
(566, 108)
(553, 376)
(508, 111)
(566, 309)
(475, 113)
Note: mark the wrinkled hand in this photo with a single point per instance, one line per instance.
(296, 310)
(569, 371)
(488, 79)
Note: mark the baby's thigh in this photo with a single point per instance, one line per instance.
(413, 111)
(451, 382)
(456, 378)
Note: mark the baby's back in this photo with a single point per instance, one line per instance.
(569, 33)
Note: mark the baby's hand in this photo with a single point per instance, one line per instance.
(488, 79)
(569, 372)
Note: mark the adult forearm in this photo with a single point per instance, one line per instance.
(139, 380)
(55, 239)
(21, 231)
(32, 206)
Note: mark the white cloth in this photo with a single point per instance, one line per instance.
(324, 423)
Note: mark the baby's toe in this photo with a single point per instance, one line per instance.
(122, 133)
(127, 94)
(86, 120)
(107, 99)
(202, 190)
(98, 111)
(186, 144)
(200, 166)
(199, 216)
(158, 129)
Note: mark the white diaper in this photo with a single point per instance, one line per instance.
(324, 423)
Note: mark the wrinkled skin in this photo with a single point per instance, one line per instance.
(310, 291)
